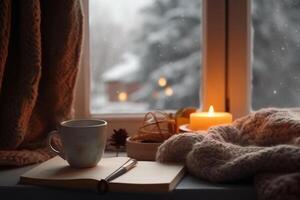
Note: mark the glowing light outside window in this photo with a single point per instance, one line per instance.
(169, 91)
(122, 96)
(162, 82)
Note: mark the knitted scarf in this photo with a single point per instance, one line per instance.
(264, 145)
(40, 47)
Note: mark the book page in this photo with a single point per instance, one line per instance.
(147, 172)
(58, 169)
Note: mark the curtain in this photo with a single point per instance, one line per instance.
(40, 48)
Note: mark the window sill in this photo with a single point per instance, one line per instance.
(120, 117)
(126, 116)
(129, 121)
(189, 187)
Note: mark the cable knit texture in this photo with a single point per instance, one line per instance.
(264, 145)
(40, 47)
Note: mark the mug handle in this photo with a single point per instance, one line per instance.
(50, 136)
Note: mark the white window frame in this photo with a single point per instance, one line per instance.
(226, 76)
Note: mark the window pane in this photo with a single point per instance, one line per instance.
(145, 54)
(276, 53)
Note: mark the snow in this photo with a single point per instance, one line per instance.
(120, 107)
(126, 71)
(167, 43)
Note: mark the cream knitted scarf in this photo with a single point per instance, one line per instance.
(264, 145)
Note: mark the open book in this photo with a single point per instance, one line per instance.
(146, 176)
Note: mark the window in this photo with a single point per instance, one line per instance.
(144, 54)
(239, 69)
(276, 53)
(216, 51)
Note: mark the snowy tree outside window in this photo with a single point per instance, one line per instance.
(145, 54)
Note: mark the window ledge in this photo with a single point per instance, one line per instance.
(189, 187)
(120, 117)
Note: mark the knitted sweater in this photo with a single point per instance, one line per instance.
(264, 145)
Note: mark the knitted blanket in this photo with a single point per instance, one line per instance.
(40, 47)
(264, 145)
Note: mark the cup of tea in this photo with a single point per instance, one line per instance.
(83, 141)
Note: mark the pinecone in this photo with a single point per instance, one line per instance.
(118, 139)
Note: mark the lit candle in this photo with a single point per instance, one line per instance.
(204, 120)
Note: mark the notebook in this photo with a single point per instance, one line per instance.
(146, 176)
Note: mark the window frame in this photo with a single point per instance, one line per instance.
(226, 51)
(239, 56)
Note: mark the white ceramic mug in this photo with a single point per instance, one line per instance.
(83, 141)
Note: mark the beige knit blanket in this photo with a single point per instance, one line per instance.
(264, 145)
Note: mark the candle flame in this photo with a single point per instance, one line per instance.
(211, 111)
